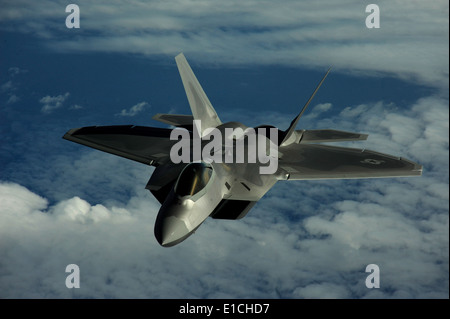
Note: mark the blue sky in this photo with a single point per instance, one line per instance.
(258, 62)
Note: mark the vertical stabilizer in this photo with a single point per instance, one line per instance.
(200, 105)
(288, 133)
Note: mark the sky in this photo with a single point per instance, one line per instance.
(258, 62)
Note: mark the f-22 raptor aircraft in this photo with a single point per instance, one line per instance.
(193, 191)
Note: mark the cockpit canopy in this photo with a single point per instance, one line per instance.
(193, 179)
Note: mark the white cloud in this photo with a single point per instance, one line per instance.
(12, 99)
(7, 86)
(305, 239)
(10, 87)
(257, 257)
(412, 43)
(13, 71)
(317, 110)
(321, 291)
(52, 103)
(134, 110)
(17, 199)
(76, 107)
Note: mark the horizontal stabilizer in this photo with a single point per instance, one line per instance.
(178, 120)
(322, 136)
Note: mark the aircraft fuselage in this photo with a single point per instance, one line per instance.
(195, 195)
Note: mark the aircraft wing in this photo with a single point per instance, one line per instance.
(147, 145)
(313, 161)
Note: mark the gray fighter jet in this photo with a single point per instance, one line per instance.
(194, 190)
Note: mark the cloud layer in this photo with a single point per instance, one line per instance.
(51, 103)
(309, 239)
(134, 110)
(411, 44)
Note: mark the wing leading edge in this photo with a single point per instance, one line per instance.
(147, 145)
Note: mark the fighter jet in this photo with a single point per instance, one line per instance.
(190, 191)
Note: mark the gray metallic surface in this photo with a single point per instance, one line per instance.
(231, 186)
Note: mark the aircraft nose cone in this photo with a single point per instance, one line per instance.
(170, 231)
